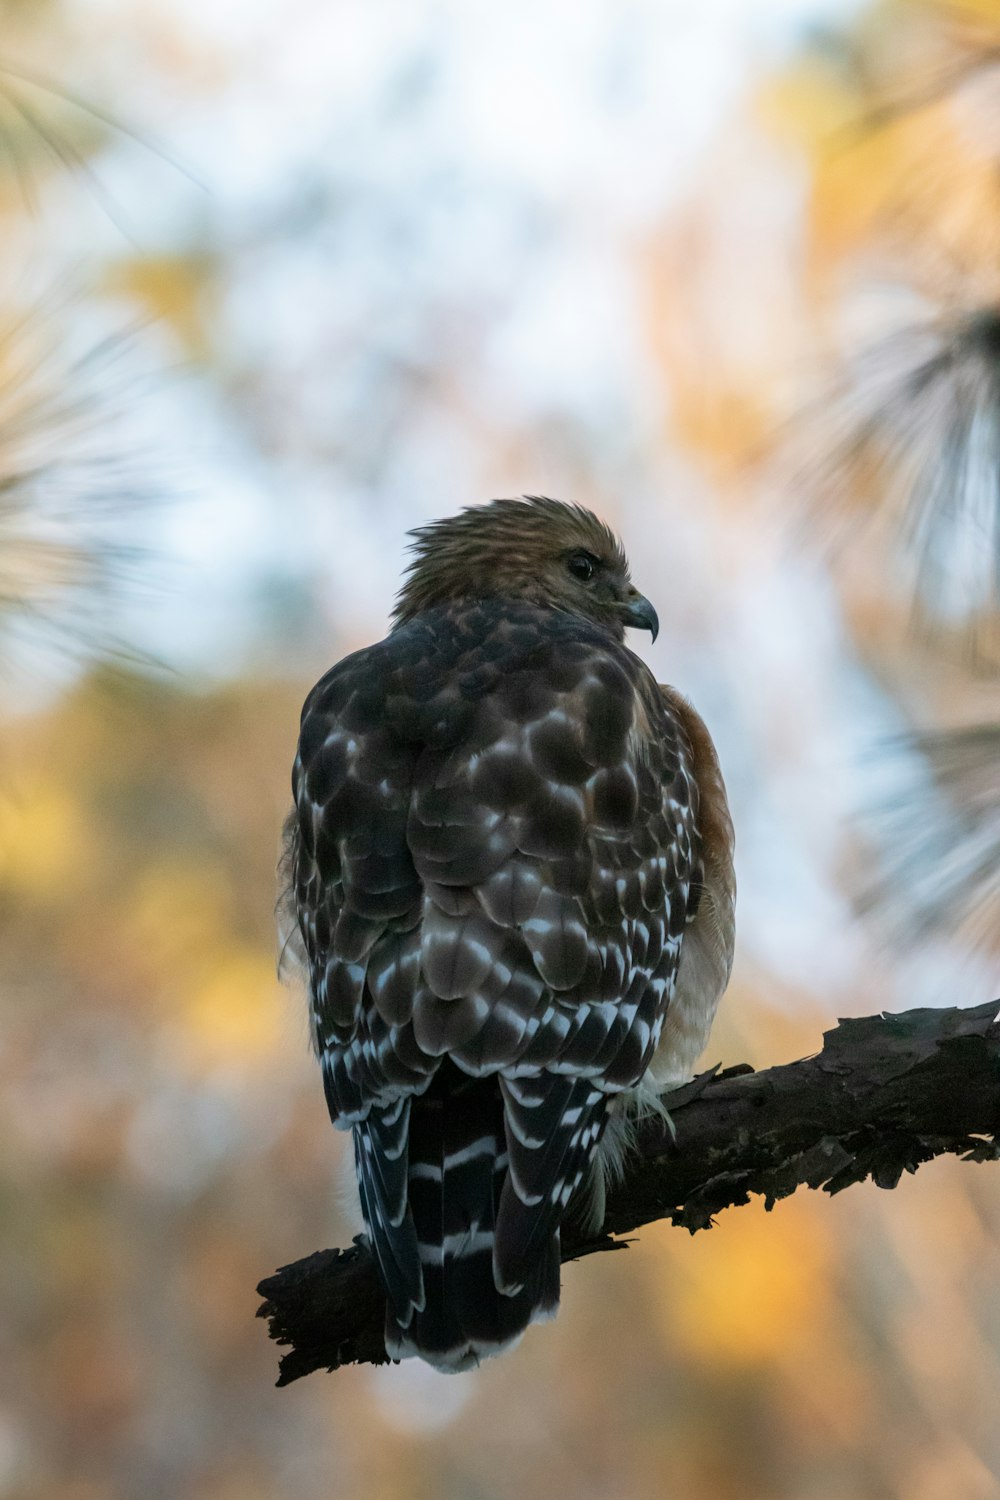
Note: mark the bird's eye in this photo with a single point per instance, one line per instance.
(582, 566)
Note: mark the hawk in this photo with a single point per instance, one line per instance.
(509, 869)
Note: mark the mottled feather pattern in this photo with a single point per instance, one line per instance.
(506, 820)
(494, 856)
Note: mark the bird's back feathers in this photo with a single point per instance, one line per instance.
(492, 857)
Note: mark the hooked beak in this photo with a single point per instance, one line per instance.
(641, 615)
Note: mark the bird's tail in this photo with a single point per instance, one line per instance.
(444, 1305)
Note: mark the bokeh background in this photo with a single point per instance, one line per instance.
(278, 282)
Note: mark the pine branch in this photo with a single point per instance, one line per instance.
(936, 834)
(902, 453)
(886, 1094)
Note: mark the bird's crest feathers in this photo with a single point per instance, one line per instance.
(514, 548)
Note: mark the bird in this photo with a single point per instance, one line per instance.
(508, 877)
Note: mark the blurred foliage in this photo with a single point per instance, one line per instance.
(940, 832)
(905, 448)
(75, 483)
(163, 1138)
(164, 1143)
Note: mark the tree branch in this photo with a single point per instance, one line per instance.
(886, 1094)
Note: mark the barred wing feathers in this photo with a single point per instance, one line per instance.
(492, 857)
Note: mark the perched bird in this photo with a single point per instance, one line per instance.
(509, 874)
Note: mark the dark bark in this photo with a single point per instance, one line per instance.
(886, 1094)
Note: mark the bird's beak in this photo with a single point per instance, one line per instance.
(640, 614)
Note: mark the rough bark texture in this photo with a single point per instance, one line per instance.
(886, 1094)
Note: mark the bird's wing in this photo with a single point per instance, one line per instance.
(492, 863)
(354, 889)
(554, 843)
(555, 847)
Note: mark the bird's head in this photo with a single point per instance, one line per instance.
(535, 549)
